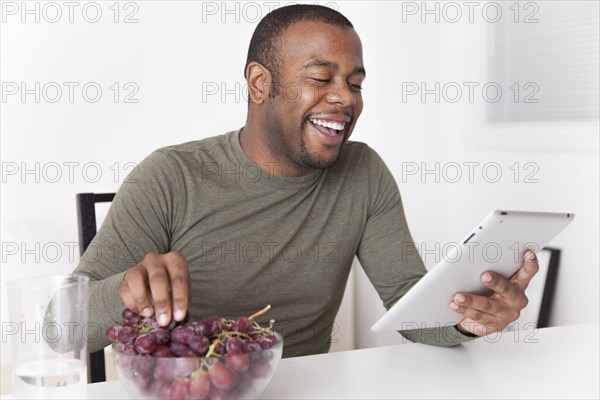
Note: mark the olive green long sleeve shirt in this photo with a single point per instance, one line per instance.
(252, 238)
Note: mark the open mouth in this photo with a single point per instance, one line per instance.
(329, 128)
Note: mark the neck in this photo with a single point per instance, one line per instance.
(254, 142)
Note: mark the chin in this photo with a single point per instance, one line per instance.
(314, 160)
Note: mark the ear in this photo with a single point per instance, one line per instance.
(259, 82)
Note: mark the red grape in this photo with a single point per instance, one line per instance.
(244, 382)
(127, 333)
(221, 376)
(141, 381)
(226, 326)
(182, 334)
(181, 350)
(197, 327)
(199, 345)
(209, 328)
(266, 341)
(128, 349)
(164, 370)
(267, 355)
(162, 350)
(234, 343)
(112, 333)
(184, 366)
(243, 325)
(143, 365)
(125, 366)
(251, 347)
(220, 348)
(145, 344)
(260, 368)
(163, 336)
(131, 316)
(237, 360)
(199, 384)
(163, 391)
(218, 394)
(179, 388)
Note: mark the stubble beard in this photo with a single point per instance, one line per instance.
(306, 157)
(312, 159)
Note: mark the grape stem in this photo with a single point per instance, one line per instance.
(260, 312)
(240, 334)
(211, 348)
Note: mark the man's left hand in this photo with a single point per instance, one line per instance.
(488, 314)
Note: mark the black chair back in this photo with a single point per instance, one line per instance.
(86, 224)
(549, 287)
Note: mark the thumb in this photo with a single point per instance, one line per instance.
(527, 271)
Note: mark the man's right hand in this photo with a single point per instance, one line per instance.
(159, 285)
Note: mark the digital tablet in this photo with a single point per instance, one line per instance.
(496, 244)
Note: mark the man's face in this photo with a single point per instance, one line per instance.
(319, 100)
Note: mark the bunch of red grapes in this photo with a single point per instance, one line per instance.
(164, 362)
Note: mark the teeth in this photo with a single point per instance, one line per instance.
(329, 124)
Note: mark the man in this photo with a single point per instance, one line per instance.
(274, 213)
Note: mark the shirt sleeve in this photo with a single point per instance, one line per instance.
(389, 255)
(139, 221)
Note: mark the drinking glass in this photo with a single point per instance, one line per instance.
(49, 320)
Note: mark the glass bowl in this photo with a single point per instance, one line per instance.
(239, 375)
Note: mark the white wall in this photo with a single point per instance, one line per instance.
(171, 56)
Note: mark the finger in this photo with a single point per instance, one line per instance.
(477, 321)
(530, 267)
(503, 308)
(134, 291)
(475, 315)
(179, 277)
(160, 287)
(128, 298)
(511, 296)
(501, 286)
(484, 304)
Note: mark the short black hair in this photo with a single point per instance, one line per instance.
(264, 46)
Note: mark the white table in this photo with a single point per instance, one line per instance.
(560, 362)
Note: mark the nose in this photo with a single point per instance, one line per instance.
(340, 93)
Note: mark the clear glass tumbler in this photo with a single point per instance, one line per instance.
(49, 323)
